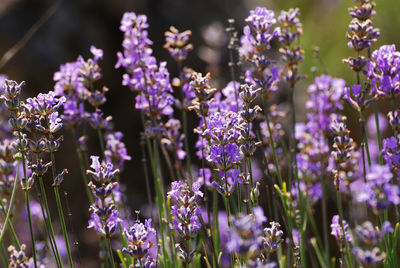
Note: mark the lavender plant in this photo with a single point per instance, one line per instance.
(248, 162)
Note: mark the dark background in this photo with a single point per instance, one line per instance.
(76, 25)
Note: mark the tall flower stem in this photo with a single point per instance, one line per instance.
(296, 175)
(64, 229)
(110, 252)
(82, 167)
(12, 230)
(49, 221)
(378, 132)
(28, 209)
(101, 142)
(60, 211)
(11, 203)
(27, 205)
(339, 204)
(187, 149)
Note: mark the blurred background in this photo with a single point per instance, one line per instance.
(70, 27)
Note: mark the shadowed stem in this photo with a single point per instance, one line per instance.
(64, 229)
(82, 167)
(60, 211)
(12, 230)
(378, 132)
(11, 203)
(28, 209)
(49, 221)
(339, 204)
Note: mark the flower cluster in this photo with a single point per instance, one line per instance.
(185, 211)
(378, 191)
(290, 31)
(371, 236)
(255, 43)
(177, 43)
(144, 75)
(104, 214)
(142, 244)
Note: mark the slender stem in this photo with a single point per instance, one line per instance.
(64, 228)
(378, 132)
(4, 254)
(49, 222)
(339, 204)
(28, 209)
(186, 143)
(272, 143)
(13, 234)
(82, 167)
(101, 141)
(27, 204)
(11, 203)
(110, 252)
(296, 176)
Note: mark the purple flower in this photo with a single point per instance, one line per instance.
(45, 104)
(378, 191)
(246, 236)
(338, 232)
(102, 172)
(116, 152)
(371, 235)
(177, 43)
(391, 153)
(369, 257)
(384, 71)
(73, 114)
(273, 237)
(185, 211)
(142, 241)
(104, 219)
(261, 19)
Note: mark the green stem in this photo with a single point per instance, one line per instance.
(12, 230)
(186, 142)
(110, 252)
(296, 176)
(28, 208)
(64, 228)
(4, 254)
(378, 132)
(272, 143)
(82, 167)
(11, 203)
(339, 204)
(101, 141)
(49, 222)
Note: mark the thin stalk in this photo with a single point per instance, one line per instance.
(82, 167)
(4, 254)
(339, 204)
(378, 132)
(12, 230)
(28, 209)
(64, 228)
(296, 176)
(49, 222)
(271, 141)
(11, 203)
(110, 252)
(146, 173)
(101, 141)
(186, 143)
(215, 229)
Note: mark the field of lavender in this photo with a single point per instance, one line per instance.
(229, 174)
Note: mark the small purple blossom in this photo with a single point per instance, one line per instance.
(337, 231)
